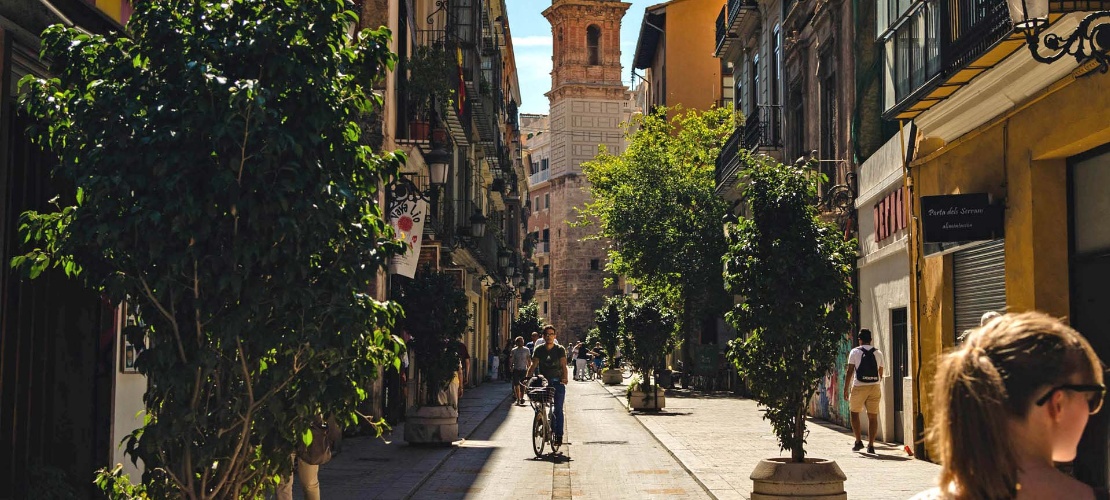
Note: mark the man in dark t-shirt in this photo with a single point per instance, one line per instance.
(550, 359)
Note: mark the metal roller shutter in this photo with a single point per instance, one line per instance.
(979, 283)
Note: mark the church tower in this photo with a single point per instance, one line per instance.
(588, 103)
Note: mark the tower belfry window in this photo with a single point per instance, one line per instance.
(593, 42)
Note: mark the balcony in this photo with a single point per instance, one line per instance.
(763, 129)
(538, 177)
(729, 21)
(728, 162)
(938, 46)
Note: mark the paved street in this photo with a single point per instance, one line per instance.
(610, 453)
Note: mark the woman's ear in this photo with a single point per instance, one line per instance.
(1055, 405)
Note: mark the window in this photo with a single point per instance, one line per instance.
(595, 264)
(593, 42)
(776, 65)
(796, 121)
(543, 164)
(545, 307)
(537, 205)
(828, 130)
(547, 201)
(546, 237)
(753, 87)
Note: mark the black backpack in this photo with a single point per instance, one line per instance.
(868, 369)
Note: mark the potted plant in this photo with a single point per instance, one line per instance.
(436, 318)
(608, 320)
(427, 85)
(649, 335)
(793, 271)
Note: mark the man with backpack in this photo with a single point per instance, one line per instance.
(865, 370)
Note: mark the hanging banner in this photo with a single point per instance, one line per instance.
(407, 218)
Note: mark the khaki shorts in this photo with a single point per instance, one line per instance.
(865, 396)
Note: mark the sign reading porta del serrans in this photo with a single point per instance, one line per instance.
(407, 218)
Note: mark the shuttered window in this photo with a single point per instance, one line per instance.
(979, 283)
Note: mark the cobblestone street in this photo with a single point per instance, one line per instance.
(700, 446)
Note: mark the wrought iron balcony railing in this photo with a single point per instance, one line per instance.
(728, 161)
(728, 23)
(936, 39)
(763, 129)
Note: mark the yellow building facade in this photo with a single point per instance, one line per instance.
(1035, 137)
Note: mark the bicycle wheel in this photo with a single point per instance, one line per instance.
(539, 433)
(554, 445)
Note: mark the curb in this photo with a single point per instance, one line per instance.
(682, 464)
(454, 448)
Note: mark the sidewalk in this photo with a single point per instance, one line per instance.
(720, 438)
(387, 467)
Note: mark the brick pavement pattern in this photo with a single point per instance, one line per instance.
(720, 438)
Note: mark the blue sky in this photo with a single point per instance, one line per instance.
(532, 45)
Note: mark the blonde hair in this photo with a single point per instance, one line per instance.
(991, 378)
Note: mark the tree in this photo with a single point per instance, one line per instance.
(609, 332)
(527, 320)
(655, 201)
(224, 186)
(794, 272)
(436, 317)
(649, 335)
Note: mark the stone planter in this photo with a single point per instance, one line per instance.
(778, 478)
(438, 425)
(639, 400)
(612, 377)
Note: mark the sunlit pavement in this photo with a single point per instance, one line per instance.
(700, 446)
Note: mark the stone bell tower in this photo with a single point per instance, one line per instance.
(588, 103)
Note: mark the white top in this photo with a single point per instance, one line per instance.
(856, 355)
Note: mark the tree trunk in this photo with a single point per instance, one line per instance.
(798, 454)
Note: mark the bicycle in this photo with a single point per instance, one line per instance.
(542, 400)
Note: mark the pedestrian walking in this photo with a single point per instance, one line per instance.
(865, 370)
(580, 360)
(534, 343)
(1012, 399)
(519, 359)
(574, 356)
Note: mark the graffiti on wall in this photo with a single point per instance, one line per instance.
(829, 403)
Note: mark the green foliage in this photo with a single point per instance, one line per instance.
(656, 202)
(527, 320)
(117, 486)
(609, 330)
(436, 317)
(650, 329)
(428, 82)
(794, 272)
(225, 188)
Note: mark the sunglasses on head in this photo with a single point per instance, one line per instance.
(1095, 396)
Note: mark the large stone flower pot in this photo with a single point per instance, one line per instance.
(612, 377)
(435, 425)
(640, 400)
(778, 478)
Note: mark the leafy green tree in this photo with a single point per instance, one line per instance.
(650, 329)
(609, 332)
(655, 201)
(794, 271)
(436, 317)
(527, 320)
(224, 186)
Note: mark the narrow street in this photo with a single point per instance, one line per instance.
(607, 454)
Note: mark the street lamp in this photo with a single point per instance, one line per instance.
(438, 160)
(477, 224)
(503, 257)
(1090, 40)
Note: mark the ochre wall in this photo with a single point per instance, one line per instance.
(1020, 158)
(693, 74)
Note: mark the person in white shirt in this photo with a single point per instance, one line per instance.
(865, 370)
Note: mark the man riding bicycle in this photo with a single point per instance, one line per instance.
(551, 360)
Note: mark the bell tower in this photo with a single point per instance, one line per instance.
(588, 103)
(586, 48)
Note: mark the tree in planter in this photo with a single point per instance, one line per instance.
(656, 201)
(527, 320)
(609, 333)
(649, 335)
(436, 317)
(225, 188)
(794, 272)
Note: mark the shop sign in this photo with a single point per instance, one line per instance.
(960, 217)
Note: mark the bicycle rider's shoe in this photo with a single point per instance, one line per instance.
(557, 441)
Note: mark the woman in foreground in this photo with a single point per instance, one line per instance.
(1011, 400)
